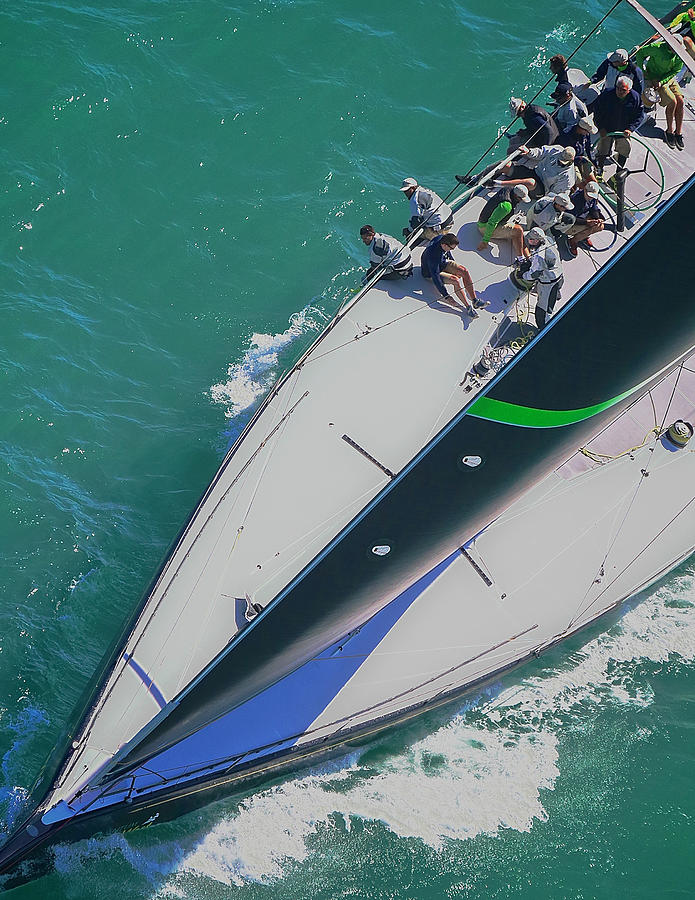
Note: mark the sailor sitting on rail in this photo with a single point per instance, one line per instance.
(387, 254)
(495, 220)
(570, 109)
(550, 213)
(438, 264)
(539, 128)
(685, 26)
(558, 66)
(426, 209)
(543, 267)
(553, 165)
(614, 65)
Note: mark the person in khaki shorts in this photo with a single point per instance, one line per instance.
(496, 220)
(661, 65)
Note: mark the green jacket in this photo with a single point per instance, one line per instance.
(658, 62)
(683, 17)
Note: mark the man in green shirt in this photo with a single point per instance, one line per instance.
(685, 23)
(660, 66)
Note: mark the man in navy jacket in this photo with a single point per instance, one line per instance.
(617, 110)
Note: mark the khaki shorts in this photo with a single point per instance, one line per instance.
(668, 93)
(502, 231)
(622, 146)
(452, 268)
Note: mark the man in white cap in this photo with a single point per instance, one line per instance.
(427, 209)
(545, 270)
(588, 218)
(551, 212)
(579, 137)
(539, 128)
(569, 108)
(553, 165)
(495, 220)
(614, 65)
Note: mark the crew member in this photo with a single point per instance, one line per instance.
(438, 264)
(426, 209)
(386, 253)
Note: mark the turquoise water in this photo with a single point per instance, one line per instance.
(183, 186)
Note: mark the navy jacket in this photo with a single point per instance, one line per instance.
(631, 70)
(614, 114)
(433, 261)
(535, 117)
(580, 140)
(584, 209)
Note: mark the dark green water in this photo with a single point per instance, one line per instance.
(182, 190)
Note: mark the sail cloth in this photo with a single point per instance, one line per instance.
(670, 38)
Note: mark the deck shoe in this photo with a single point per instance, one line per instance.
(480, 304)
(680, 144)
(473, 313)
(572, 244)
(587, 242)
(670, 139)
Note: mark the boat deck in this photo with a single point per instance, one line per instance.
(373, 390)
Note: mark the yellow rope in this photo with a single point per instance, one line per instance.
(605, 457)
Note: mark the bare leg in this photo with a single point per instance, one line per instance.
(679, 115)
(669, 116)
(586, 232)
(518, 241)
(455, 281)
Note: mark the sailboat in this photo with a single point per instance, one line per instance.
(419, 504)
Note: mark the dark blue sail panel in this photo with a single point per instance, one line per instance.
(601, 345)
(283, 712)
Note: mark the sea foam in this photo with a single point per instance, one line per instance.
(483, 771)
(249, 379)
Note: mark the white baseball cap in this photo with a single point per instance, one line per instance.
(536, 234)
(515, 105)
(563, 200)
(407, 184)
(521, 191)
(587, 124)
(591, 189)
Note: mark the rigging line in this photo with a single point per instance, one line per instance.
(634, 559)
(202, 628)
(308, 535)
(118, 673)
(343, 719)
(540, 91)
(644, 473)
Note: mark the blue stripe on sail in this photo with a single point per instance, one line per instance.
(146, 680)
(286, 709)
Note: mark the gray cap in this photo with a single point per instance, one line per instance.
(536, 234)
(586, 124)
(619, 56)
(592, 189)
(563, 200)
(515, 105)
